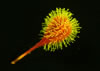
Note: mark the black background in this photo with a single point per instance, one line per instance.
(26, 25)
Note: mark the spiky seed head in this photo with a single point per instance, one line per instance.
(60, 28)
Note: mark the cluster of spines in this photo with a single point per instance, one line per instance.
(58, 12)
(71, 38)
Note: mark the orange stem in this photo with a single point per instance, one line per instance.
(41, 43)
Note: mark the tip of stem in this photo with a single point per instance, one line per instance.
(12, 62)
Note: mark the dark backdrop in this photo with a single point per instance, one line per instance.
(26, 25)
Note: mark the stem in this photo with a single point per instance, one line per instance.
(41, 43)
